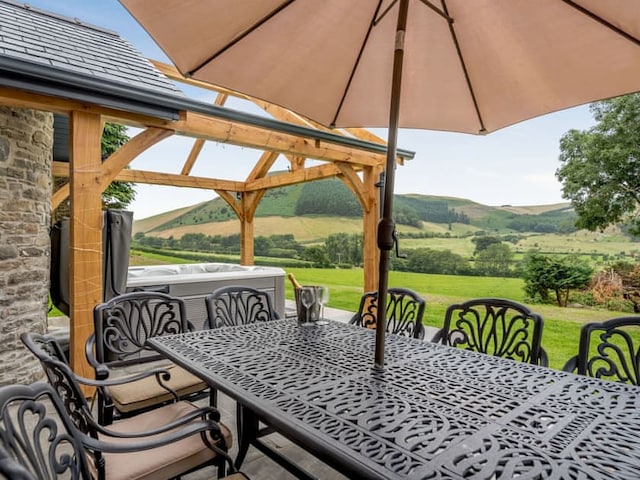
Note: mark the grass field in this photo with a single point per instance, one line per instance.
(561, 325)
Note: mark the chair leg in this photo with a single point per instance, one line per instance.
(247, 426)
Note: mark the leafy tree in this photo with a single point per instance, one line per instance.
(317, 254)
(544, 274)
(601, 166)
(427, 260)
(262, 245)
(483, 242)
(343, 248)
(327, 197)
(494, 260)
(117, 195)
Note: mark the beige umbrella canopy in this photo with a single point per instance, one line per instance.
(470, 66)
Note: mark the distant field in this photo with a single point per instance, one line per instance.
(309, 229)
(581, 242)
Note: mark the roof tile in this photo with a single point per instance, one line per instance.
(51, 39)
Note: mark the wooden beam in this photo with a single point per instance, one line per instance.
(232, 201)
(262, 166)
(117, 161)
(264, 139)
(193, 156)
(199, 143)
(85, 232)
(59, 195)
(176, 180)
(354, 183)
(247, 231)
(251, 202)
(370, 252)
(61, 169)
(291, 178)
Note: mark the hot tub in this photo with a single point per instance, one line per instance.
(194, 281)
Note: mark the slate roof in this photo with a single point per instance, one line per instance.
(53, 40)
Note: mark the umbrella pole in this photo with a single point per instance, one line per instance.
(386, 226)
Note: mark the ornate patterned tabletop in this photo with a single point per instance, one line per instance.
(435, 412)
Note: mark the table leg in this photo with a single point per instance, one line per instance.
(247, 425)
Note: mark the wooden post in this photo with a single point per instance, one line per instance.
(247, 232)
(371, 254)
(85, 232)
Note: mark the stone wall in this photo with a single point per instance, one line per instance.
(26, 144)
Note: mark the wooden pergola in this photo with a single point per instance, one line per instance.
(356, 156)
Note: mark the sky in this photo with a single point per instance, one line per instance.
(513, 166)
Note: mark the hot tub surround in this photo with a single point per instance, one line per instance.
(194, 281)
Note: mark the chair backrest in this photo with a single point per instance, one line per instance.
(405, 309)
(124, 324)
(37, 439)
(63, 380)
(609, 350)
(495, 326)
(238, 305)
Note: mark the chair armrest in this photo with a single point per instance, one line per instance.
(88, 351)
(162, 375)
(122, 447)
(572, 365)
(205, 414)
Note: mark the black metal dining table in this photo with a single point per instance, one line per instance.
(433, 412)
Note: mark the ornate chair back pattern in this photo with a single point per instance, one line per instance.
(124, 323)
(609, 350)
(494, 326)
(238, 305)
(62, 379)
(37, 437)
(405, 309)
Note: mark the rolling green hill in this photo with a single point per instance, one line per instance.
(313, 211)
(331, 198)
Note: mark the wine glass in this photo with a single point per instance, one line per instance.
(323, 299)
(307, 299)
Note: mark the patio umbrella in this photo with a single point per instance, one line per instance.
(470, 66)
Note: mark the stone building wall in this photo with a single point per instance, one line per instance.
(26, 144)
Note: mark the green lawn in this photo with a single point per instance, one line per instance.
(561, 327)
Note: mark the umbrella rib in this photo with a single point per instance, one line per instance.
(602, 21)
(440, 12)
(248, 31)
(383, 14)
(355, 65)
(454, 37)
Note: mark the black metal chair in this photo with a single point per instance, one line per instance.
(495, 326)
(609, 350)
(118, 347)
(241, 305)
(405, 309)
(167, 442)
(238, 305)
(37, 437)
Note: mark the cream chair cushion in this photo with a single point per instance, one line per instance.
(163, 462)
(147, 392)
